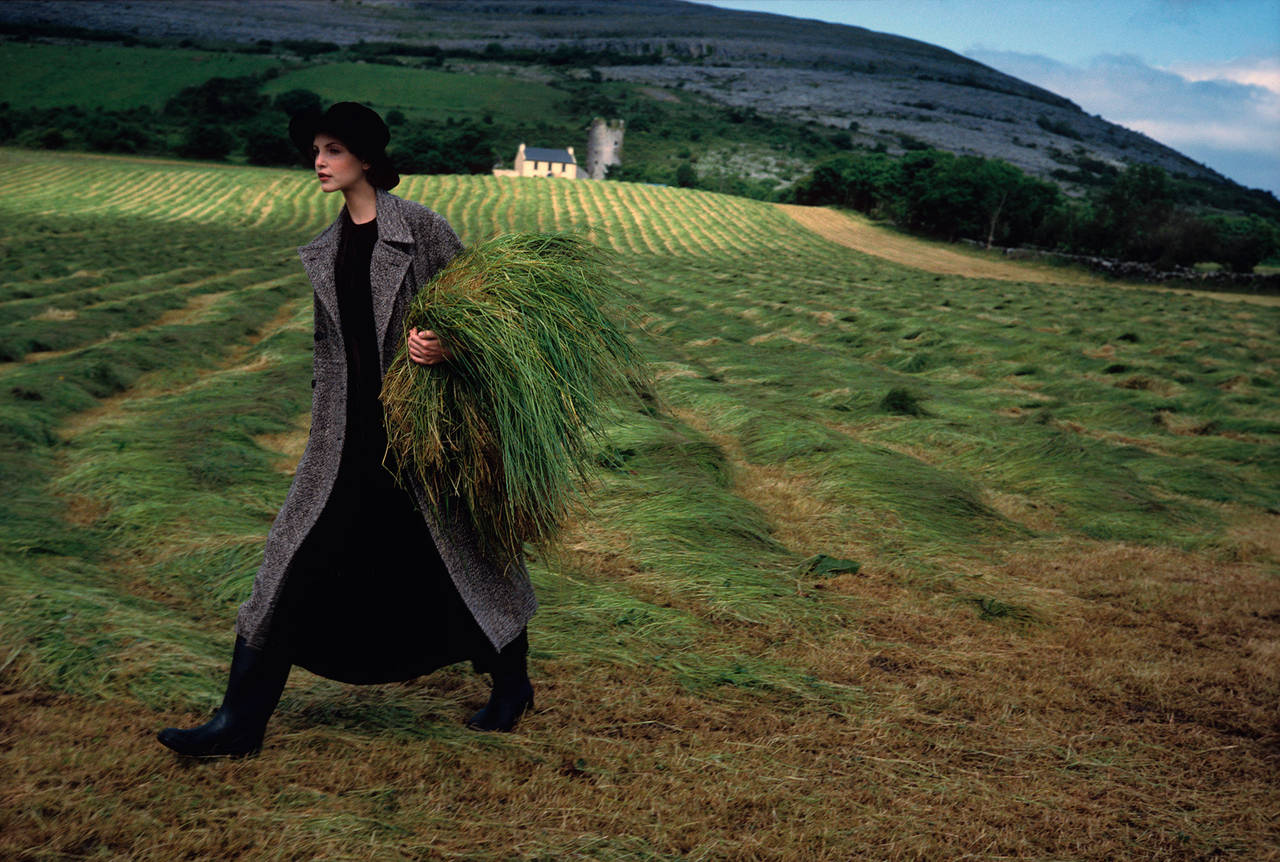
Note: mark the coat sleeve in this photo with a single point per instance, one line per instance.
(439, 244)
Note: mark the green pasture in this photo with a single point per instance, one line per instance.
(113, 77)
(425, 93)
(155, 329)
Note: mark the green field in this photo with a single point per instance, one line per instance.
(904, 565)
(113, 77)
(424, 93)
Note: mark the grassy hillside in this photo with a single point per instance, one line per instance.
(905, 565)
(427, 93)
(39, 75)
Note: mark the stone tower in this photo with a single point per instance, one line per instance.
(604, 146)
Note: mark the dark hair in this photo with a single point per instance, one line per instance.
(381, 173)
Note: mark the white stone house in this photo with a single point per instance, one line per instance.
(542, 162)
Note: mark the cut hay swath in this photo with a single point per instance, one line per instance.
(505, 427)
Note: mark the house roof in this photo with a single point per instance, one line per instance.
(546, 154)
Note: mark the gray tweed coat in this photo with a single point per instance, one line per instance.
(413, 244)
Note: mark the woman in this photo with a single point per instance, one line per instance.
(361, 580)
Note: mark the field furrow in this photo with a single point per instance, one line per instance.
(97, 325)
(61, 291)
(265, 201)
(159, 385)
(637, 218)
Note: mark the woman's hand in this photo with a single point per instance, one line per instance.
(425, 348)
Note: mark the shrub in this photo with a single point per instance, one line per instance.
(1243, 243)
(298, 100)
(268, 147)
(686, 176)
(221, 99)
(206, 141)
(451, 147)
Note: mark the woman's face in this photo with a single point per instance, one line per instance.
(336, 166)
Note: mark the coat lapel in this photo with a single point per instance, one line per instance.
(318, 258)
(390, 261)
(388, 264)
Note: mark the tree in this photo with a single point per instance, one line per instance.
(206, 141)
(634, 174)
(1131, 210)
(1009, 205)
(219, 99)
(53, 139)
(296, 101)
(426, 147)
(266, 146)
(106, 133)
(686, 176)
(1182, 239)
(308, 47)
(855, 181)
(1243, 243)
(919, 195)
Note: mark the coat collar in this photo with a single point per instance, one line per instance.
(391, 226)
(391, 257)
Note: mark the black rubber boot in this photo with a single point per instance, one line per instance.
(254, 687)
(512, 692)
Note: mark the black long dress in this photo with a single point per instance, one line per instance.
(368, 598)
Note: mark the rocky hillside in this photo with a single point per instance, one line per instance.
(886, 90)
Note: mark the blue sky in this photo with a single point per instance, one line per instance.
(1202, 76)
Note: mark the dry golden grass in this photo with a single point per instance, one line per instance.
(942, 258)
(290, 444)
(1136, 721)
(52, 313)
(945, 259)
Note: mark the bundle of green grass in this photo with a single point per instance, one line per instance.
(506, 426)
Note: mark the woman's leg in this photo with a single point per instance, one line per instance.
(254, 685)
(512, 691)
(258, 676)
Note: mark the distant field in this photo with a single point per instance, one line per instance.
(905, 565)
(424, 93)
(40, 75)
(37, 75)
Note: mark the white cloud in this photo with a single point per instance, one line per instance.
(1226, 115)
(1259, 71)
(1226, 136)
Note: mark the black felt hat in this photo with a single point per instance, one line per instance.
(359, 128)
